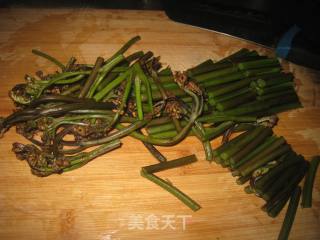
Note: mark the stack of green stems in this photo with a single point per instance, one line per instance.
(210, 74)
(258, 108)
(232, 86)
(228, 87)
(231, 90)
(226, 81)
(208, 65)
(273, 168)
(270, 87)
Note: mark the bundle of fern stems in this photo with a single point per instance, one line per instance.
(82, 111)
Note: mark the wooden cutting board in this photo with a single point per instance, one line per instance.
(108, 199)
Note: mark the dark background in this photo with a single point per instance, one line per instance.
(261, 21)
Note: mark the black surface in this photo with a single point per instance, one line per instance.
(261, 21)
(116, 4)
(242, 20)
(304, 52)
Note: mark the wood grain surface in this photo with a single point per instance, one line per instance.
(108, 199)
